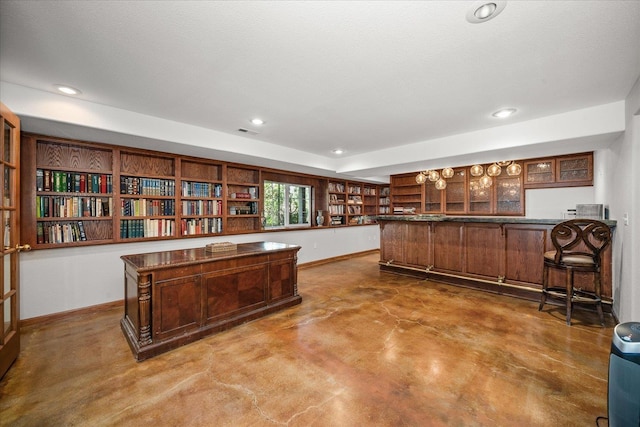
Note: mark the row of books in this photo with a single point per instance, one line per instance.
(248, 209)
(147, 207)
(337, 220)
(194, 226)
(384, 210)
(137, 228)
(369, 191)
(355, 200)
(53, 232)
(147, 186)
(384, 201)
(202, 207)
(336, 187)
(73, 206)
(201, 189)
(73, 182)
(336, 209)
(354, 189)
(354, 210)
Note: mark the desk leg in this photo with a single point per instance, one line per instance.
(144, 309)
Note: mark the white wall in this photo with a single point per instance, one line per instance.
(551, 203)
(58, 280)
(623, 178)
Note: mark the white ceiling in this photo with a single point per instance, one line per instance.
(363, 76)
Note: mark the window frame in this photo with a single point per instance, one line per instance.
(286, 203)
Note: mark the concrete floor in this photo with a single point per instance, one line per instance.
(363, 348)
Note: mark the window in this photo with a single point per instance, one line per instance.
(286, 205)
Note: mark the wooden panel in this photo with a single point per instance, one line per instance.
(391, 236)
(281, 280)
(176, 306)
(525, 246)
(70, 157)
(448, 249)
(201, 171)
(417, 245)
(484, 245)
(235, 291)
(145, 164)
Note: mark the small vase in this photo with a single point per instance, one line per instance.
(320, 218)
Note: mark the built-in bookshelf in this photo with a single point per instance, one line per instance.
(201, 198)
(147, 196)
(405, 194)
(77, 193)
(370, 205)
(73, 194)
(243, 199)
(337, 202)
(384, 201)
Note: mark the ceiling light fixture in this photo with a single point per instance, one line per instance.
(67, 90)
(257, 121)
(504, 113)
(483, 10)
(337, 151)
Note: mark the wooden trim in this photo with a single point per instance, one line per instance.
(337, 258)
(70, 313)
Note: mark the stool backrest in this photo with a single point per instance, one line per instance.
(586, 237)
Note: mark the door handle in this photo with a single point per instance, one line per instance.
(25, 248)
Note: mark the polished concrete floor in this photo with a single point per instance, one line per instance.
(364, 348)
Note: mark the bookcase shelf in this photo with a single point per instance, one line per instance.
(99, 194)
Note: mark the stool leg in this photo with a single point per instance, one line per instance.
(545, 283)
(569, 295)
(598, 291)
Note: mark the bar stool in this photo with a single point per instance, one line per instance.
(579, 244)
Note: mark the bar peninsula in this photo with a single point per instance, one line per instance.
(497, 254)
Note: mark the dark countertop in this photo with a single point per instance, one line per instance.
(485, 219)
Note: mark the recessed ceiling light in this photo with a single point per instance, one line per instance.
(68, 90)
(257, 121)
(484, 10)
(337, 151)
(504, 113)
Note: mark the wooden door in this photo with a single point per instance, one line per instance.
(10, 232)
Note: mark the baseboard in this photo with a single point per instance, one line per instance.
(70, 313)
(336, 258)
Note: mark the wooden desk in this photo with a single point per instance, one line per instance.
(175, 297)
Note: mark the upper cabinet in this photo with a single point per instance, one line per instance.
(575, 170)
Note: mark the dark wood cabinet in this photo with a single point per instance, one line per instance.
(503, 256)
(176, 297)
(574, 170)
(456, 194)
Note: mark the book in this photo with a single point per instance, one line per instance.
(39, 180)
(83, 234)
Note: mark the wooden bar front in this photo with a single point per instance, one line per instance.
(503, 255)
(175, 297)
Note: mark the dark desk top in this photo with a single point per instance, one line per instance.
(184, 257)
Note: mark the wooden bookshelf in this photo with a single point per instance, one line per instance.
(243, 199)
(99, 194)
(69, 198)
(201, 198)
(147, 196)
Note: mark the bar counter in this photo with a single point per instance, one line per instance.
(497, 254)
